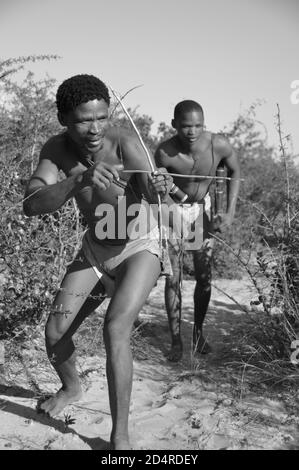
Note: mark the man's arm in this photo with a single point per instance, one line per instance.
(136, 158)
(230, 160)
(45, 194)
(161, 158)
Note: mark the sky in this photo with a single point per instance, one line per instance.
(225, 54)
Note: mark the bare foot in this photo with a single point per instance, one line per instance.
(176, 352)
(201, 345)
(56, 403)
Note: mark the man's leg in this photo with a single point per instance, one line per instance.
(202, 269)
(173, 302)
(80, 293)
(135, 279)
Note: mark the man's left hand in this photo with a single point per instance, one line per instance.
(160, 182)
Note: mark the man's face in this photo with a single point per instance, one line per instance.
(189, 126)
(86, 125)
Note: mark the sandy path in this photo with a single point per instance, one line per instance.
(192, 405)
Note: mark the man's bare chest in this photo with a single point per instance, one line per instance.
(90, 196)
(200, 163)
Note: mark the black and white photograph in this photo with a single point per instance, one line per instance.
(149, 235)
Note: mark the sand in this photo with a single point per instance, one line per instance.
(199, 403)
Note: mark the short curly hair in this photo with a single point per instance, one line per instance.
(80, 89)
(187, 106)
